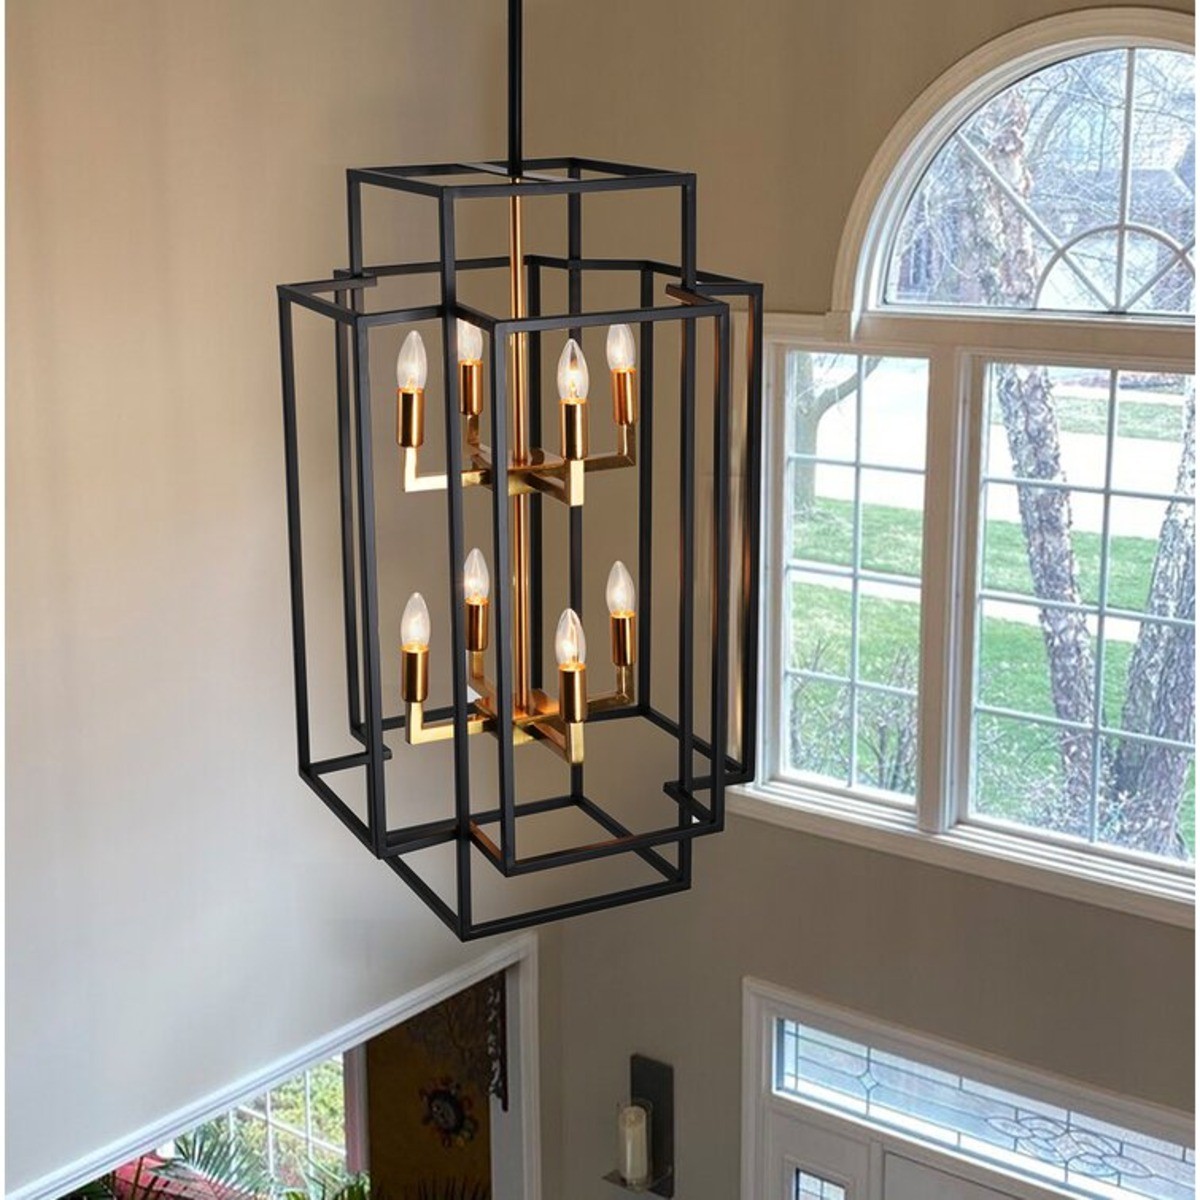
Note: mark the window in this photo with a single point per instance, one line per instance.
(298, 1126)
(981, 554)
(837, 1096)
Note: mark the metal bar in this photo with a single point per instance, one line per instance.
(631, 844)
(540, 187)
(317, 305)
(295, 545)
(342, 762)
(515, 87)
(645, 568)
(573, 908)
(607, 821)
(687, 502)
(699, 745)
(630, 316)
(505, 674)
(454, 516)
(751, 542)
(433, 266)
(354, 222)
(575, 513)
(346, 507)
(536, 522)
(369, 593)
(402, 316)
(721, 581)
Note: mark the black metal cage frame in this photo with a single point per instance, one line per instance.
(698, 296)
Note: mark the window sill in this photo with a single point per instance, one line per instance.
(1129, 887)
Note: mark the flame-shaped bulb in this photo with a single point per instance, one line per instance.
(620, 348)
(572, 372)
(470, 342)
(412, 367)
(570, 645)
(414, 624)
(477, 583)
(620, 592)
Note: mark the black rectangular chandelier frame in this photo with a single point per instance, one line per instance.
(698, 296)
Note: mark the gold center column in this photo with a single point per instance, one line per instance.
(519, 374)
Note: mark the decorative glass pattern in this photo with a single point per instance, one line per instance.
(1071, 190)
(1043, 1141)
(813, 1187)
(855, 497)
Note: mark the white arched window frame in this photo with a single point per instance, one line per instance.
(958, 345)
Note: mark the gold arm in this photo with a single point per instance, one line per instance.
(415, 482)
(417, 733)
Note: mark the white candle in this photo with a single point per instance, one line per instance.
(633, 1141)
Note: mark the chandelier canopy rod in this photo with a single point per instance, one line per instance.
(515, 87)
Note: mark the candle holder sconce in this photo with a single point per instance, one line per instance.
(652, 1088)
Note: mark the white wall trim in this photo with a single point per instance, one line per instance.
(1151, 891)
(520, 951)
(763, 1003)
(931, 118)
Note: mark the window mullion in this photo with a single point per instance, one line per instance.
(936, 809)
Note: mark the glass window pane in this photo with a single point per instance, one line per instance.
(1024, 206)
(1042, 542)
(1151, 424)
(820, 624)
(1030, 1135)
(291, 1159)
(822, 391)
(886, 747)
(1101, 743)
(818, 727)
(1069, 403)
(851, 638)
(813, 1187)
(328, 1102)
(893, 432)
(823, 516)
(893, 522)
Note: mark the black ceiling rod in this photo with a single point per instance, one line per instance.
(515, 86)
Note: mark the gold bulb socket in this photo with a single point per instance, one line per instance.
(470, 387)
(624, 639)
(572, 693)
(410, 417)
(624, 393)
(414, 674)
(573, 428)
(477, 624)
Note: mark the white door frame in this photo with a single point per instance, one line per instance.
(519, 1170)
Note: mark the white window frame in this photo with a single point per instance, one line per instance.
(774, 1125)
(958, 348)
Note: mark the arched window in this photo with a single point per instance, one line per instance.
(1073, 189)
(982, 574)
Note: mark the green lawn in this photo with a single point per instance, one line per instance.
(1012, 658)
(1158, 420)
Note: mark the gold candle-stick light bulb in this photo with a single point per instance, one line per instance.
(470, 368)
(621, 352)
(570, 648)
(573, 396)
(476, 589)
(415, 629)
(412, 368)
(622, 600)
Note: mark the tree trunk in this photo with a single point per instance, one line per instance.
(1144, 782)
(1001, 243)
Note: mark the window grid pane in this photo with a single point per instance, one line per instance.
(852, 545)
(1044, 1141)
(1082, 697)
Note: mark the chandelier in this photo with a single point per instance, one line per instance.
(490, 401)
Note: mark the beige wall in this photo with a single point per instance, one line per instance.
(181, 910)
(779, 106)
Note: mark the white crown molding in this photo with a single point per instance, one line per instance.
(519, 950)
(932, 117)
